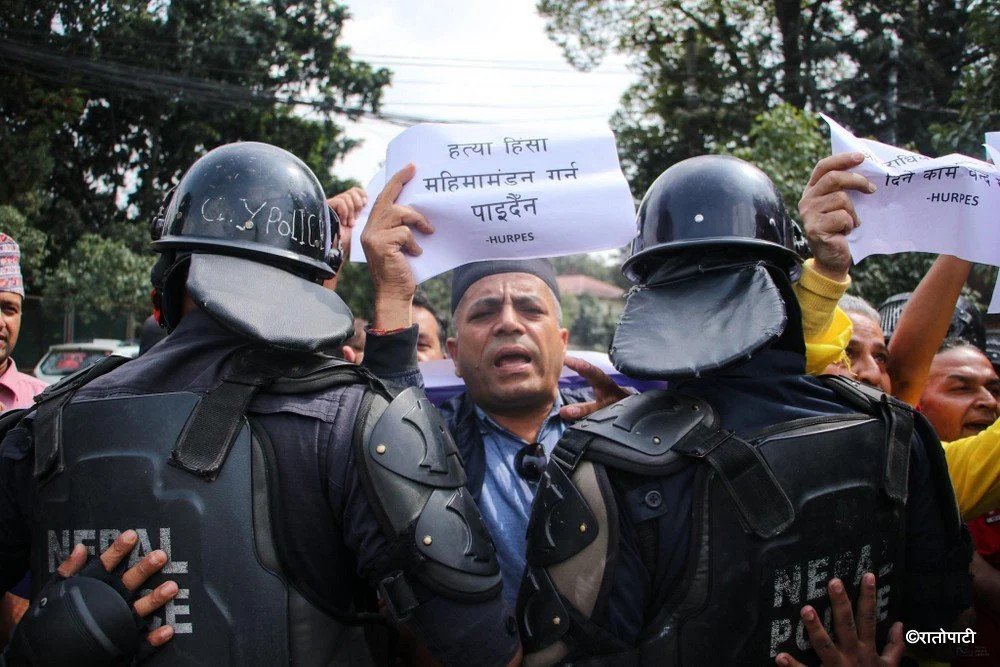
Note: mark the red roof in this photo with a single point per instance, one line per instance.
(577, 284)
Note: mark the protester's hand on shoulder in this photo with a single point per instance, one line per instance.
(606, 390)
(828, 213)
(855, 643)
(388, 239)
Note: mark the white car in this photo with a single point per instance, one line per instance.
(61, 360)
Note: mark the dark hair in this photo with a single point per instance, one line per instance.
(420, 300)
(953, 343)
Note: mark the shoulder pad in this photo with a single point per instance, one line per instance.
(861, 396)
(639, 432)
(413, 475)
(410, 440)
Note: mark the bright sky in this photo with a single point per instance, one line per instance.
(467, 60)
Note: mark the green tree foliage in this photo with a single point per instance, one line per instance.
(102, 277)
(106, 103)
(786, 143)
(591, 322)
(977, 95)
(734, 76)
(708, 68)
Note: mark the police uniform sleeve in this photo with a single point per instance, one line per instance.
(392, 357)
(974, 467)
(938, 548)
(455, 609)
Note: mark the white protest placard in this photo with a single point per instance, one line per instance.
(992, 146)
(511, 191)
(947, 205)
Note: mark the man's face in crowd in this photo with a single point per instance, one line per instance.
(509, 346)
(868, 353)
(10, 325)
(429, 338)
(960, 398)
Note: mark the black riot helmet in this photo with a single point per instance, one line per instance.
(966, 322)
(715, 246)
(711, 200)
(254, 201)
(889, 312)
(248, 236)
(993, 348)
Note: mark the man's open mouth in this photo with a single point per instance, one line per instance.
(978, 426)
(511, 359)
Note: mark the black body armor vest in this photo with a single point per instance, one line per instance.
(773, 520)
(191, 474)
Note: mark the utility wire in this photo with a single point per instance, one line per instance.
(402, 59)
(120, 79)
(496, 65)
(127, 79)
(483, 105)
(490, 84)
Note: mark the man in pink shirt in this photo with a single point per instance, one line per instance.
(16, 388)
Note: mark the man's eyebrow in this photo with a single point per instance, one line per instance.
(528, 299)
(484, 301)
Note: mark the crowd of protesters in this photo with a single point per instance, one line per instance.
(514, 428)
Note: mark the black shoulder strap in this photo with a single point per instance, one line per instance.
(217, 419)
(212, 428)
(762, 503)
(898, 418)
(48, 419)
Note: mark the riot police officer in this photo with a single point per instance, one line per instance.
(283, 484)
(689, 526)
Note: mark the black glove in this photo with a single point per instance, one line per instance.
(84, 620)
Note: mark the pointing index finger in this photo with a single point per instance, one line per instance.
(837, 162)
(395, 185)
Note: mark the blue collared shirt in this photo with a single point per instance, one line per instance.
(506, 498)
